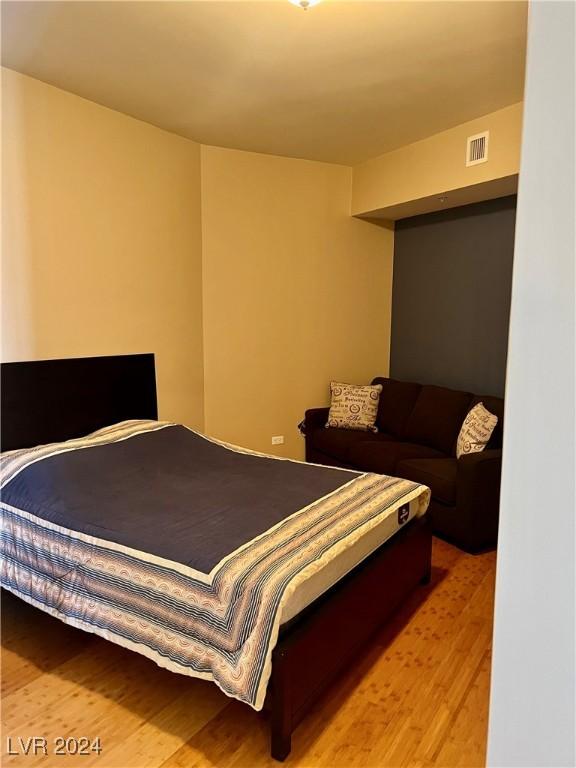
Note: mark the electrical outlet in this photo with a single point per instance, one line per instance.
(278, 440)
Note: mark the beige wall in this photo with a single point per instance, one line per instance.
(296, 292)
(101, 246)
(437, 164)
(102, 254)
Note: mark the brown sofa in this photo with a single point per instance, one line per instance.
(418, 426)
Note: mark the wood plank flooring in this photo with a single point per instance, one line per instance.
(418, 696)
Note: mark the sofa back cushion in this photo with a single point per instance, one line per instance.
(496, 406)
(437, 417)
(397, 401)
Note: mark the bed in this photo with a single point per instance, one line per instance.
(263, 575)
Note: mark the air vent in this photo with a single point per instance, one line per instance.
(477, 148)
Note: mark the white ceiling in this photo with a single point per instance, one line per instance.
(341, 82)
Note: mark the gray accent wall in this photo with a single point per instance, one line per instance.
(451, 296)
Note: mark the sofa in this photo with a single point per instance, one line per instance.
(418, 426)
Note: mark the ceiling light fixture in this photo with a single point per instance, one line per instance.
(305, 4)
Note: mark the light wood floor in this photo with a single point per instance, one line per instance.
(417, 697)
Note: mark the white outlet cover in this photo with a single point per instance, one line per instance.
(278, 440)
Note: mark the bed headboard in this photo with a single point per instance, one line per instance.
(46, 401)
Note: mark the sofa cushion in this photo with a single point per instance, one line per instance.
(397, 401)
(437, 417)
(438, 474)
(317, 457)
(338, 442)
(354, 406)
(496, 406)
(382, 457)
(476, 430)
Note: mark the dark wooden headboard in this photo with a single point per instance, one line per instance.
(46, 401)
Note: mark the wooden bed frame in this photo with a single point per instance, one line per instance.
(53, 400)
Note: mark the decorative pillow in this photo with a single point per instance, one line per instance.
(354, 407)
(476, 431)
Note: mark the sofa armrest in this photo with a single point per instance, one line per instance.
(313, 419)
(478, 496)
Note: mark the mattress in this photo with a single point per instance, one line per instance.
(347, 559)
(185, 549)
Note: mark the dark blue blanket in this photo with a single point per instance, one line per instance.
(171, 493)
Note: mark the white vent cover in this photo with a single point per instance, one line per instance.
(477, 148)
